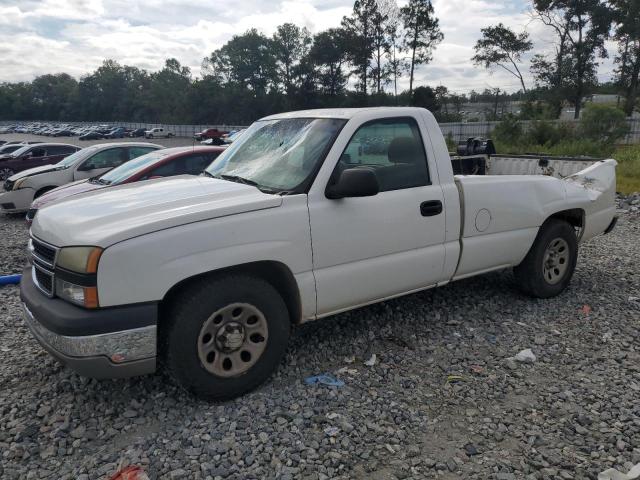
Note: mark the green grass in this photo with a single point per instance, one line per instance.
(628, 157)
(628, 171)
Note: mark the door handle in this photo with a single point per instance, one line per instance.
(431, 208)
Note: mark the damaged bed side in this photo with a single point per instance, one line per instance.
(502, 210)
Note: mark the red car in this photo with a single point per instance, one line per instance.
(157, 164)
(209, 133)
(36, 155)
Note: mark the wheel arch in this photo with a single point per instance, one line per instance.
(273, 272)
(43, 190)
(573, 216)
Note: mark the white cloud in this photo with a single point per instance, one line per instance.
(74, 36)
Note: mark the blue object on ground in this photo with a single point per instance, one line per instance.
(10, 279)
(324, 379)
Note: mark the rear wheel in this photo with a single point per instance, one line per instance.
(548, 267)
(225, 336)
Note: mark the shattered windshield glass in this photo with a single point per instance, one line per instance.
(277, 155)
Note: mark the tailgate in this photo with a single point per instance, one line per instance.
(597, 186)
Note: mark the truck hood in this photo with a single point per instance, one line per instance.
(35, 171)
(112, 215)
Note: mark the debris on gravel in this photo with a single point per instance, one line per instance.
(570, 415)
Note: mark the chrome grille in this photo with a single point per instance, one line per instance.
(43, 280)
(43, 259)
(43, 253)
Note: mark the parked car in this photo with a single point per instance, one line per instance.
(64, 132)
(158, 164)
(210, 133)
(293, 223)
(116, 133)
(91, 135)
(8, 148)
(138, 132)
(22, 188)
(30, 156)
(158, 133)
(232, 137)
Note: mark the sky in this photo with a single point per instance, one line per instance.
(75, 36)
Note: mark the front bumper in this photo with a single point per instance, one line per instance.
(92, 342)
(16, 201)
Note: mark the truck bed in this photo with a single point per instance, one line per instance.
(559, 167)
(505, 199)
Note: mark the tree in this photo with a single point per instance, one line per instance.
(360, 31)
(290, 44)
(425, 97)
(627, 19)
(380, 47)
(442, 94)
(246, 60)
(396, 66)
(168, 91)
(328, 54)
(582, 27)
(53, 95)
(422, 34)
(500, 46)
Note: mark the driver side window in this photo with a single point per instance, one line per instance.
(393, 149)
(38, 152)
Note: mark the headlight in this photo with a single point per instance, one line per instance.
(19, 183)
(79, 259)
(78, 287)
(84, 296)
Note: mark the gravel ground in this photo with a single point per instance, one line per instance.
(442, 400)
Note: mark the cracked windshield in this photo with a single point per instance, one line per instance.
(277, 154)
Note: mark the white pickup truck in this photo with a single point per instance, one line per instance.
(308, 214)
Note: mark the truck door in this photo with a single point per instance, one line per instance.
(370, 248)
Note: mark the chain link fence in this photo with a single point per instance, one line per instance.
(461, 131)
(457, 131)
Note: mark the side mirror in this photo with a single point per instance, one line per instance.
(354, 182)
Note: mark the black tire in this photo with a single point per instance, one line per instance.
(193, 307)
(530, 274)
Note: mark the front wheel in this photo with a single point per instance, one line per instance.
(225, 336)
(548, 267)
(5, 173)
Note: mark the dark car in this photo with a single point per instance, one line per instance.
(167, 162)
(92, 135)
(138, 132)
(115, 133)
(62, 133)
(30, 156)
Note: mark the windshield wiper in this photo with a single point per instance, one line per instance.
(238, 179)
(99, 181)
(245, 181)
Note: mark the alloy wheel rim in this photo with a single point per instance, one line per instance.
(555, 261)
(5, 173)
(232, 340)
